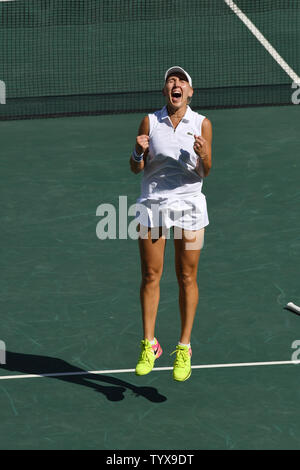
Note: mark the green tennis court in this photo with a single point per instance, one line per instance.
(71, 320)
(70, 301)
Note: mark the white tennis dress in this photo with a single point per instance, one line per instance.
(171, 189)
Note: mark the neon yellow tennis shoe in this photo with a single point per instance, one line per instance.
(182, 368)
(149, 353)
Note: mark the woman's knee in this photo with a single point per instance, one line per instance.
(186, 279)
(151, 276)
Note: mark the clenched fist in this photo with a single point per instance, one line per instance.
(142, 144)
(201, 147)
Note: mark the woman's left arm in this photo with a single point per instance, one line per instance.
(202, 147)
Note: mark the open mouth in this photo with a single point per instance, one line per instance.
(176, 95)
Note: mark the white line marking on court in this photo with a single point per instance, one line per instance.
(156, 369)
(261, 38)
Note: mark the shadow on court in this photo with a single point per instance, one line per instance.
(42, 365)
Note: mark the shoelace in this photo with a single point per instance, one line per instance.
(181, 358)
(146, 354)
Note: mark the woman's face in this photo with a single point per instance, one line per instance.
(177, 90)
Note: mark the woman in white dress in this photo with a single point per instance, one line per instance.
(173, 149)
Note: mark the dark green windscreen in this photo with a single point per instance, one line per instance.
(66, 57)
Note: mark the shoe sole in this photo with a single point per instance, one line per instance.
(183, 380)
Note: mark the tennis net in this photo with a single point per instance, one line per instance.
(80, 57)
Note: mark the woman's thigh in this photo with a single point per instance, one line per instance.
(152, 248)
(188, 245)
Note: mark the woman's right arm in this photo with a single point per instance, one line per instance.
(141, 146)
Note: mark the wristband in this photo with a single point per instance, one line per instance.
(137, 158)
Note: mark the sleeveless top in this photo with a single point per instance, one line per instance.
(171, 161)
(169, 180)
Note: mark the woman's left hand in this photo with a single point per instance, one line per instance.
(201, 147)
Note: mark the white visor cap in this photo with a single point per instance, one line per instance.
(178, 69)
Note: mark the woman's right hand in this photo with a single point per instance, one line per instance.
(142, 144)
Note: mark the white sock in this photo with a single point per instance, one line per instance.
(182, 344)
(152, 342)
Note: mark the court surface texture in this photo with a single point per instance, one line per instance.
(70, 301)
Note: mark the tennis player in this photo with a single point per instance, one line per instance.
(173, 149)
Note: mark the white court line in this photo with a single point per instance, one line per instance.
(156, 369)
(261, 38)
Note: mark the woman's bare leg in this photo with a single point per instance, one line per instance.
(152, 260)
(187, 253)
